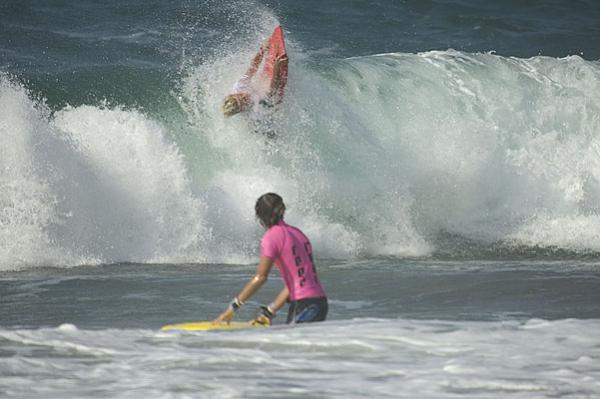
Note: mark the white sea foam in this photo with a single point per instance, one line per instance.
(360, 358)
(393, 150)
(91, 185)
(374, 156)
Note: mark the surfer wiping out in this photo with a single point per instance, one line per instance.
(245, 96)
(290, 250)
(264, 89)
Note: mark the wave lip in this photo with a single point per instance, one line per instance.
(489, 148)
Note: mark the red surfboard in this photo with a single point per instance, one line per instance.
(276, 49)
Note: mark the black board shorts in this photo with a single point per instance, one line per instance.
(307, 310)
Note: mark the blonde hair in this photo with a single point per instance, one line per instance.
(236, 103)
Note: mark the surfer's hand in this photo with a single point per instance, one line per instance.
(265, 318)
(261, 320)
(283, 59)
(226, 316)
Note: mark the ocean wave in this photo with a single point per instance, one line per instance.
(379, 155)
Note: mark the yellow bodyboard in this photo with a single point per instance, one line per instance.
(208, 325)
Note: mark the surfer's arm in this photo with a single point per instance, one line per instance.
(260, 277)
(276, 82)
(256, 62)
(281, 299)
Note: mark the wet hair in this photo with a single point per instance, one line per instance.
(269, 209)
(231, 106)
(236, 103)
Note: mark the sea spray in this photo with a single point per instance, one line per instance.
(381, 155)
(92, 185)
(398, 150)
(27, 204)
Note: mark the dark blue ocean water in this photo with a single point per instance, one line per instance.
(84, 51)
(511, 28)
(63, 33)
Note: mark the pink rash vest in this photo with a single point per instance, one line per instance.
(291, 252)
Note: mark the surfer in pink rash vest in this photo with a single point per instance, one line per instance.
(290, 250)
(245, 95)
